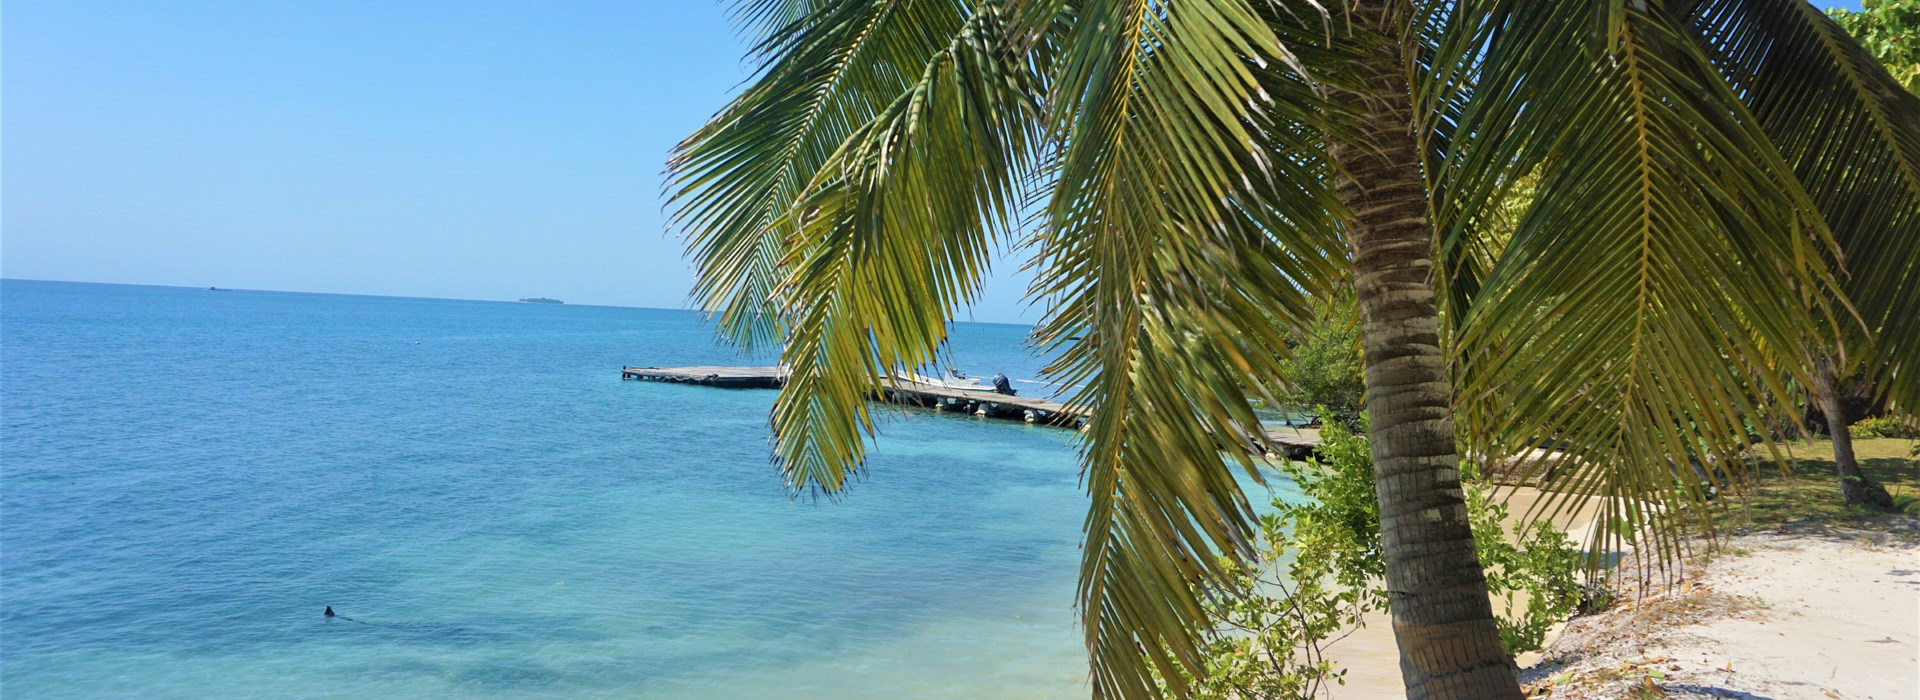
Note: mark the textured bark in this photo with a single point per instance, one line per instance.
(1855, 487)
(1442, 619)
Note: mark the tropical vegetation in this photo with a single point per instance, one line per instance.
(1320, 575)
(1884, 427)
(1326, 375)
(1890, 29)
(1724, 191)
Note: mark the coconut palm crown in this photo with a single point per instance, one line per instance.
(1719, 185)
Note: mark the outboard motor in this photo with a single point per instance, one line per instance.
(1001, 385)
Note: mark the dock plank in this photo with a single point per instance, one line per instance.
(1293, 443)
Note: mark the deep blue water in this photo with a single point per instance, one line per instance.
(187, 477)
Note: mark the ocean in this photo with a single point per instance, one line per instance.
(189, 477)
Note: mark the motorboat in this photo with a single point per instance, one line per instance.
(953, 380)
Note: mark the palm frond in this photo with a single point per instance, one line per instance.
(1650, 298)
(1188, 227)
(762, 19)
(1448, 42)
(1852, 135)
(828, 73)
(894, 234)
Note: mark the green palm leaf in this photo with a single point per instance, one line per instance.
(831, 71)
(1183, 238)
(1647, 301)
(764, 18)
(1852, 135)
(894, 234)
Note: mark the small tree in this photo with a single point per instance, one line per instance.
(1831, 394)
(1328, 371)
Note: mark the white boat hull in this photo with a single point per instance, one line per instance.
(955, 384)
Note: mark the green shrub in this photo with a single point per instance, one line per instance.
(1326, 371)
(1885, 427)
(1322, 571)
(1319, 575)
(1544, 565)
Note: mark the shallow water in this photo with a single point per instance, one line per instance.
(187, 477)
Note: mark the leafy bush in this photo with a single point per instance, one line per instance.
(1884, 427)
(1320, 574)
(1543, 565)
(1326, 369)
(1322, 571)
(1890, 30)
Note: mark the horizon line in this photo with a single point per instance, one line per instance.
(420, 298)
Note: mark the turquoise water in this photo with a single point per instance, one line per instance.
(187, 477)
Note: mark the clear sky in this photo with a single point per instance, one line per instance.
(480, 150)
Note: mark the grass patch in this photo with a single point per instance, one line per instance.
(1810, 488)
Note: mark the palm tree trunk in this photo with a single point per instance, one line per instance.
(1442, 619)
(1855, 487)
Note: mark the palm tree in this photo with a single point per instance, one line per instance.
(1185, 177)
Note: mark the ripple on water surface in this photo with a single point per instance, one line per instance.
(189, 476)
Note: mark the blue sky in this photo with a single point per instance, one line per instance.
(482, 150)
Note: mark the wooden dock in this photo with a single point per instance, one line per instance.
(1291, 443)
(723, 377)
(901, 391)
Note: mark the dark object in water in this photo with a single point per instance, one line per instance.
(1001, 385)
(332, 615)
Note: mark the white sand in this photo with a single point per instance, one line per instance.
(1794, 616)
(1780, 616)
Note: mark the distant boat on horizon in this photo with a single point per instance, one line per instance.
(541, 300)
(217, 289)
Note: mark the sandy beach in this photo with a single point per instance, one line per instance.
(1780, 615)
(1801, 614)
